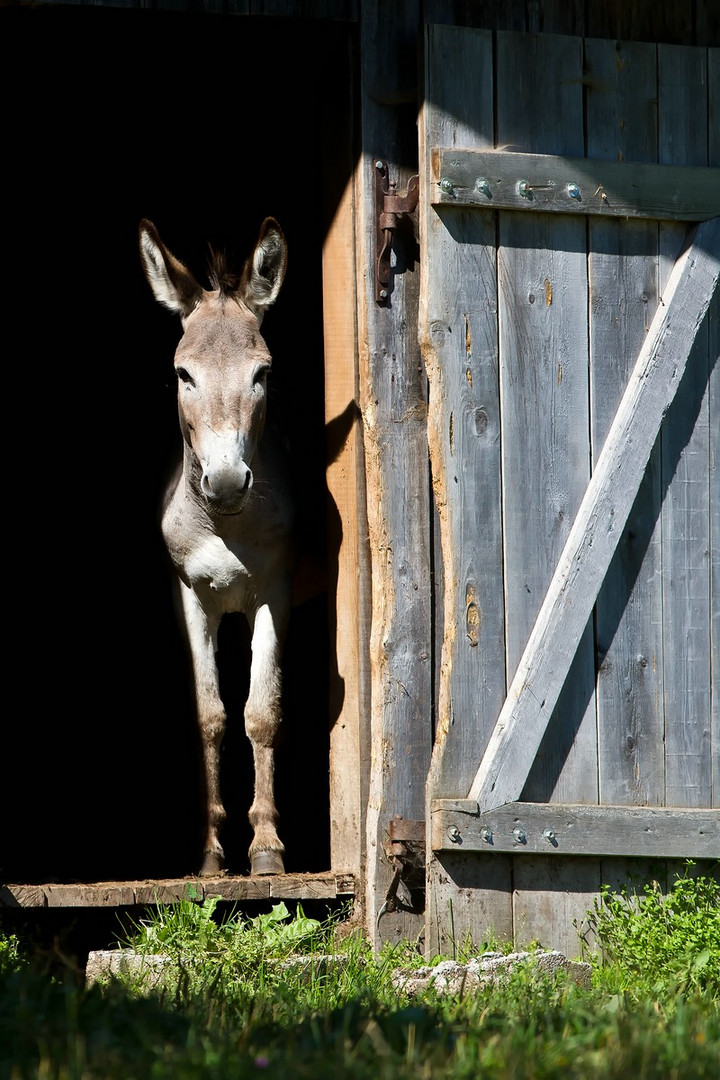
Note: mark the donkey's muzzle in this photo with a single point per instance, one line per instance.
(226, 489)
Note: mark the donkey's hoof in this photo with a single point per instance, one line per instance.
(267, 862)
(213, 865)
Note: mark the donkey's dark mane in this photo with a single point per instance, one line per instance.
(220, 275)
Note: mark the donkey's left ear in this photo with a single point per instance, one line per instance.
(264, 272)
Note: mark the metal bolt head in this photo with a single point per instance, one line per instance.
(519, 835)
(524, 189)
(454, 834)
(447, 186)
(482, 184)
(379, 165)
(486, 834)
(549, 834)
(383, 294)
(573, 191)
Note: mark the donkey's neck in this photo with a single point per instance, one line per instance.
(269, 509)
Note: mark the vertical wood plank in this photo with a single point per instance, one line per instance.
(551, 900)
(348, 590)
(685, 446)
(543, 383)
(542, 278)
(714, 422)
(469, 904)
(393, 401)
(458, 333)
(622, 125)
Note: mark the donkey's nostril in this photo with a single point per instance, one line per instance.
(227, 488)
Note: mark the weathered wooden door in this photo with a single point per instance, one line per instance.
(579, 695)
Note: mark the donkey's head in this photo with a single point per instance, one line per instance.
(222, 361)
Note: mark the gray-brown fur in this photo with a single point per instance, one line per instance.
(227, 514)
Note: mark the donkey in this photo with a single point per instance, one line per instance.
(227, 513)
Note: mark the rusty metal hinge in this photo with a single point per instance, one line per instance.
(389, 208)
(406, 852)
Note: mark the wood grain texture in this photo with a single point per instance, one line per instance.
(459, 342)
(595, 532)
(621, 117)
(542, 315)
(394, 408)
(714, 426)
(623, 264)
(458, 334)
(470, 902)
(348, 586)
(556, 830)
(550, 897)
(497, 179)
(685, 455)
(131, 893)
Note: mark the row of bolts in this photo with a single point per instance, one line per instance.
(482, 184)
(519, 835)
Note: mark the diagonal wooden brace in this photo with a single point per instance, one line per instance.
(599, 523)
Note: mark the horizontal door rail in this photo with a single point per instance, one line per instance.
(502, 180)
(560, 829)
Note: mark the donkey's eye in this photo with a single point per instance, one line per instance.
(184, 376)
(261, 374)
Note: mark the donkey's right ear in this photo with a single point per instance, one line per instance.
(172, 283)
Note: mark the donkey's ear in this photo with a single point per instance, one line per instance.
(171, 282)
(264, 271)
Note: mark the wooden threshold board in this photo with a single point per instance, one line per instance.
(100, 894)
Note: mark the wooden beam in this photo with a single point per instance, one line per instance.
(573, 185)
(599, 523)
(347, 555)
(393, 400)
(557, 829)
(104, 894)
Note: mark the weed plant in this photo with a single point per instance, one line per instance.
(11, 954)
(258, 998)
(655, 941)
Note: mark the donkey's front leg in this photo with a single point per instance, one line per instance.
(202, 632)
(262, 721)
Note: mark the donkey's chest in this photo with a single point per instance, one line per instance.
(226, 574)
(216, 564)
(230, 566)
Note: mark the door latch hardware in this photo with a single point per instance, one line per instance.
(406, 853)
(389, 207)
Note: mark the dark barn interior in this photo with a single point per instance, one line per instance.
(205, 125)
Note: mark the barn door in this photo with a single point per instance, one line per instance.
(565, 281)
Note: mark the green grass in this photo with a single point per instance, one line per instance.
(230, 1008)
